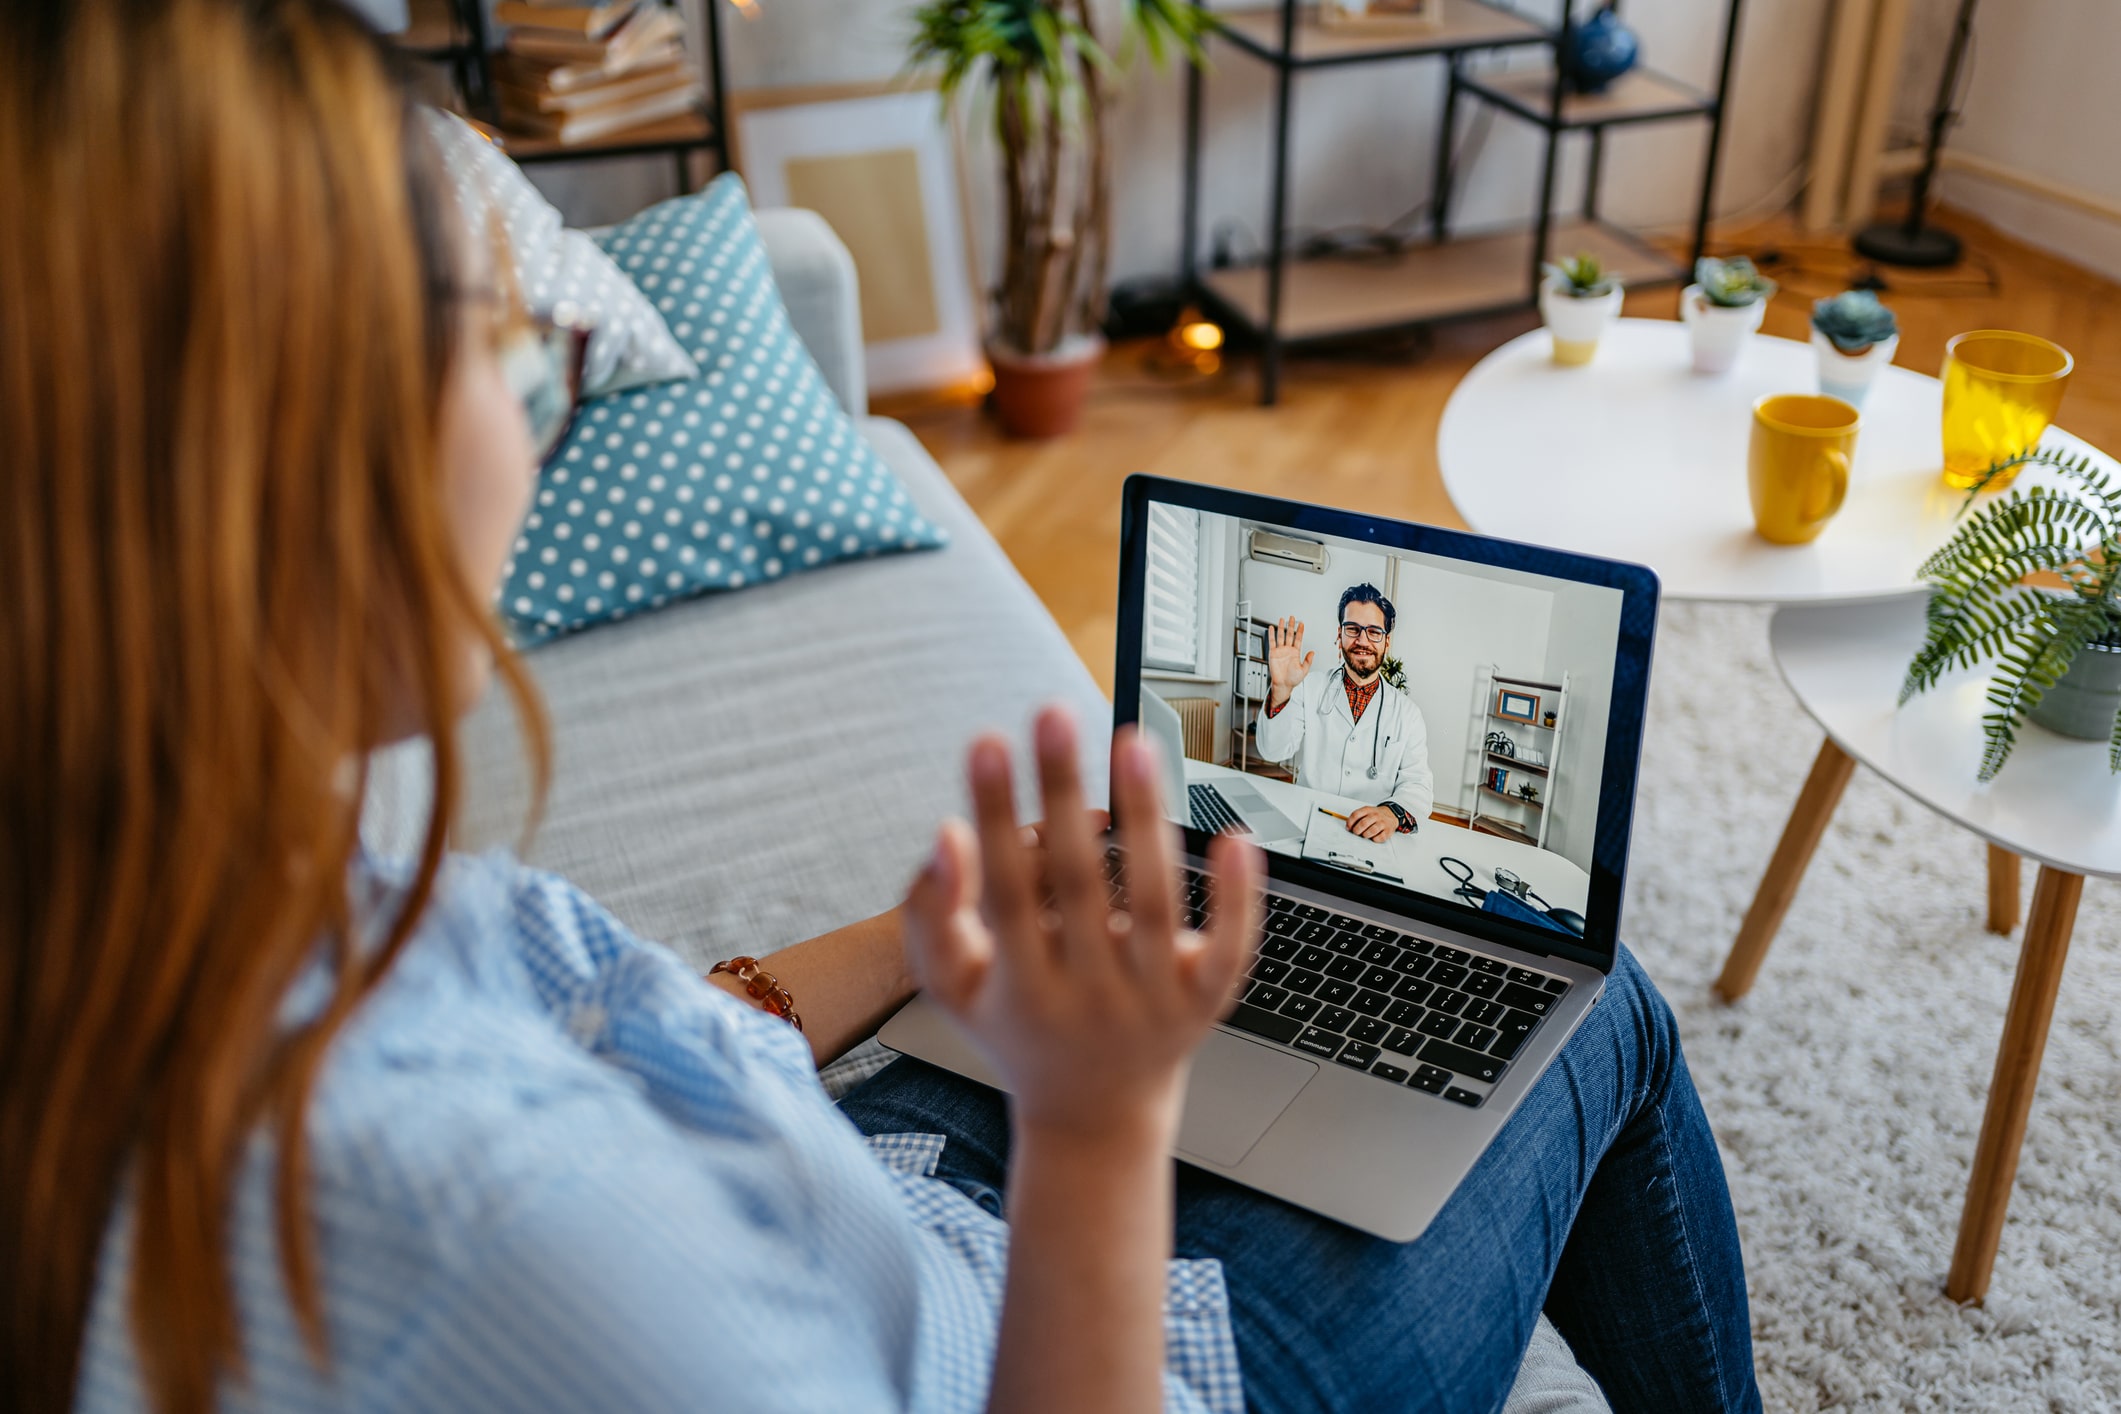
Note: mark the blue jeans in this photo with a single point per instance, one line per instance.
(1602, 1202)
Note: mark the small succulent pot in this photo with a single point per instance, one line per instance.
(1848, 376)
(2085, 700)
(1719, 331)
(1855, 336)
(1577, 322)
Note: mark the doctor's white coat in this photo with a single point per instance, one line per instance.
(1332, 751)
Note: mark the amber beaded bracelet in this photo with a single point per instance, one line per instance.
(762, 987)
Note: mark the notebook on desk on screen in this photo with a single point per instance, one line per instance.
(1329, 841)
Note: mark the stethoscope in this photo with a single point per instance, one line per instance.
(1377, 723)
(1506, 881)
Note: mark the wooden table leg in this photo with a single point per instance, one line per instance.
(2002, 890)
(1815, 806)
(2010, 1093)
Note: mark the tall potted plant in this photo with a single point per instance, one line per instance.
(1051, 76)
(2057, 649)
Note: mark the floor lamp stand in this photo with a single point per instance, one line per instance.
(1911, 241)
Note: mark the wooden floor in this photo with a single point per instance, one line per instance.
(1361, 431)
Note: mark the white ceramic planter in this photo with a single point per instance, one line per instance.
(1577, 323)
(1719, 331)
(1849, 376)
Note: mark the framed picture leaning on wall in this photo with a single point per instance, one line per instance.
(880, 162)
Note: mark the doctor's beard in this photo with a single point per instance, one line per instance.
(1361, 662)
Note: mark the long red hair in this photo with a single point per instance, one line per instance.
(224, 571)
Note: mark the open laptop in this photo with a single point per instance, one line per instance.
(1386, 1031)
(1231, 807)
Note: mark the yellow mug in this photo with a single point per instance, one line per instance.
(1798, 465)
(2001, 391)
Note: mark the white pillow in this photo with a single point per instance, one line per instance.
(632, 345)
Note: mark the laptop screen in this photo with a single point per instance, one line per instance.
(1393, 712)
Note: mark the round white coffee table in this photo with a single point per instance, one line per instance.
(1637, 457)
(2054, 801)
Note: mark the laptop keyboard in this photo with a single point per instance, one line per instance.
(1436, 1018)
(1213, 814)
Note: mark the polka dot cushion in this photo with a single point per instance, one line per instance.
(631, 345)
(748, 473)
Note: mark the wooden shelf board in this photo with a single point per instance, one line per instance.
(1461, 24)
(1514, 764)
(683, 130)
(1514, 799)
(1527, 682)
(1641, 95)
(1469, 275)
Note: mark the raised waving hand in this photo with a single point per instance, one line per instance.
(1090, 1016)
(1287, 663)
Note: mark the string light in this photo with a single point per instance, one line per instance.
(1200, 336)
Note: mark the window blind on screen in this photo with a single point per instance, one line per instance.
(1171, 619)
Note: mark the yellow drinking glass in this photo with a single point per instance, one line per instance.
(2000, 393)
(1797, 467)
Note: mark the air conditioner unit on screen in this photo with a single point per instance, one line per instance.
(1272, 549)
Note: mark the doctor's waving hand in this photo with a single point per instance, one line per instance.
(1348, 731)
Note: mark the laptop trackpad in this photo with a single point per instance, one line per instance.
(1237, 1090)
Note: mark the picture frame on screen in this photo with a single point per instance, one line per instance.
(1514, 706)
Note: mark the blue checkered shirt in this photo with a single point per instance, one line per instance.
(551, 1169)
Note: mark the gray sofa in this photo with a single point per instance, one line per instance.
(742, 771)
(739, 772)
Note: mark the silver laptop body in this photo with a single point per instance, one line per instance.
(1378, 1154)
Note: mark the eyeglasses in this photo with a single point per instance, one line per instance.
(1368, 633)
(542, 360)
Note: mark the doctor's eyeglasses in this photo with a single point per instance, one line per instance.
(1368, 633)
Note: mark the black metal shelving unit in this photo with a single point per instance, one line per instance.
(464, 45)
(1285, 302)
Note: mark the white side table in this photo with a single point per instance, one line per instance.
(2054, 801)
(1636, 457)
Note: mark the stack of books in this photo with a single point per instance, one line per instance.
(575, 72)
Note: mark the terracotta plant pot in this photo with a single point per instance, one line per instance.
(1041, 395)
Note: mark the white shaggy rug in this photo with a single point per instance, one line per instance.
(1847, 1089)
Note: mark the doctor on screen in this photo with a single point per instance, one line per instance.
(1348, 731)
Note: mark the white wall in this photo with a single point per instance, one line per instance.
(1582, 640)
(1364, 139)
(2041, 98)
(1454, 624)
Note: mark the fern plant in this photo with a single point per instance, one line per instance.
(1981, 608)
